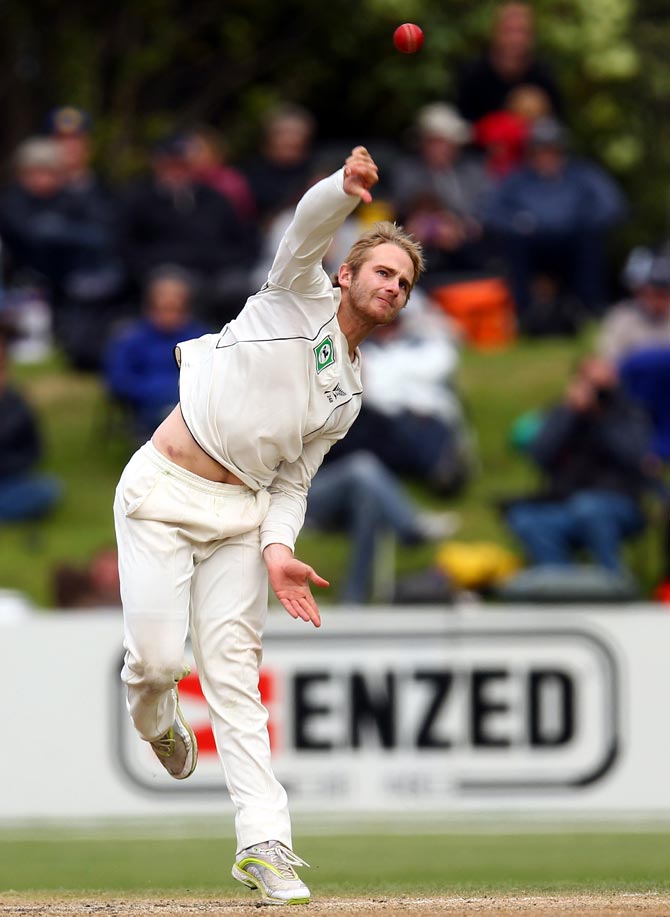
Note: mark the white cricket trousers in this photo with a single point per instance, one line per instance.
(189, 550)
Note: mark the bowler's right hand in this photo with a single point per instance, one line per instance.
(360, 174)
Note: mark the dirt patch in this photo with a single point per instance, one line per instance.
(650, 905)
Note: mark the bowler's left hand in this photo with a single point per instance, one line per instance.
(290, 579)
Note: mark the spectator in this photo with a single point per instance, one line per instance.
(503, 134)
(440, 192)
(104, 277)
(24, 492)
(55, 242)
(593, 450)
(551, 217)
(281, 170)
(206, 154)
(510, 61)
(359, 495)
(171, 218)
(412, 417)
(44, 232)
(643, 320)
(140, 368)
(529, 102)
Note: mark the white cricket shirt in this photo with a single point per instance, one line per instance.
(269, 395)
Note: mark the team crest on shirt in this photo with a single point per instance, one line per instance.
(324, 353)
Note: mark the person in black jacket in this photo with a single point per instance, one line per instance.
(172, 218)
(24, 492)
(593, 448)
(509, 62)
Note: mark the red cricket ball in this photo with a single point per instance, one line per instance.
(408, 38)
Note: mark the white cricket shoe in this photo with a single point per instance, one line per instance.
(269, 868)
(177, 749)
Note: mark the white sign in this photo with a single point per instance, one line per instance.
(378, 711)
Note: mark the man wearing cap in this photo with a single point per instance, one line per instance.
(70, 128)
(551, 216)
(439, 192)
(38, 229)
(644, 319)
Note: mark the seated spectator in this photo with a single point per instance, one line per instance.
(171, 218)
(94, 586)
(45, 230)
(529, 102)
(551, 217)
(359, 495)
(140, 368)
(103, 278)
(439, 193)
(412, 417)
(281, 169)
(25, 493)
(486, 81)
(206, 154)
(503, 134)
(644, 319)
(58, 250)
(593, 450)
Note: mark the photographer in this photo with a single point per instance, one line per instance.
(593, 450)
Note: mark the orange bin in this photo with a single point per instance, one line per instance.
(482, 308)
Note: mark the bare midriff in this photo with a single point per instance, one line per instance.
(174, 440)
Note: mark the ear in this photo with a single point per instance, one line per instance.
(344, 276)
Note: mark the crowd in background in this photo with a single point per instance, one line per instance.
(514, 224)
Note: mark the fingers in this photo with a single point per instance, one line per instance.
(314, 577)
(360, 174)
(301, 608)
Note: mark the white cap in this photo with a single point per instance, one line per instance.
(442, 120)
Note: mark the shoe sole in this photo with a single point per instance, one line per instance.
(193, 743)
(246, 879)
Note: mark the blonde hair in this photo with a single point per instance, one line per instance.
(379, 234)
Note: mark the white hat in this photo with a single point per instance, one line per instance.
(38, 153)
(442, 120)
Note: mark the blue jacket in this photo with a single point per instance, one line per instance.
(140, 367)
(582, 196)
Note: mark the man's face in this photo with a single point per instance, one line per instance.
(168, 305)
(172, 171)
(76, 150)
(40, 181)
(380, 288)
(547, 159)
(439, 152)
(655, 299)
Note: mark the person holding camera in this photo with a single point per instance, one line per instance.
(593, 450)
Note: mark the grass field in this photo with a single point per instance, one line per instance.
(346, 865)
(84, 449)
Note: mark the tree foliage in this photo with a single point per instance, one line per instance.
(143, 66)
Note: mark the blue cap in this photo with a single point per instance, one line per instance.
(68, 121)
